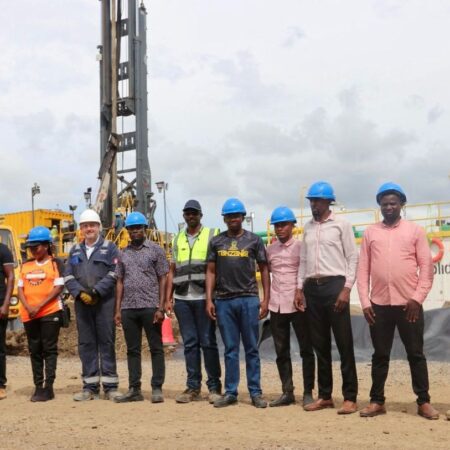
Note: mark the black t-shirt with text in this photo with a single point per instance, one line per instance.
(236, 259)
(6, 258)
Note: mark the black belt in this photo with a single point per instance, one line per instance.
(322, 280)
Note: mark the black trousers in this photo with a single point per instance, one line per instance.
(280, 325)
(3, 326)
(322, 319)
(387, 318)
(133, 321)
(42, 335)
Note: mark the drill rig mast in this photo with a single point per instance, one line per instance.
(123, 94)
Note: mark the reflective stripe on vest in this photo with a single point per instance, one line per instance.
(191, 261)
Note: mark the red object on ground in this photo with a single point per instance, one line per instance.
(167, 332)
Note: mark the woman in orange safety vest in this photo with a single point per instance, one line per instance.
(40, 285)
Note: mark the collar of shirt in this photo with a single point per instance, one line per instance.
(285, 244)
(146, 243)
(93, 245)
(331, 216)
(389, 226)
(192, 236)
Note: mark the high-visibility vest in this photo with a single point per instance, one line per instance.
(38, 281)
(190, 263)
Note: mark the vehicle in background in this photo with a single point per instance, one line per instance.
(9, 238)
(22, 222)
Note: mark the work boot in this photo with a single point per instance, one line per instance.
(84, 395)
(42, 394)
(2, 393)
(286, 398)
(49, 392)
(157, 395)
(112, 394)
(307, 398)
(214, 394)
(259, 402)
(188, 395)
(133, 395)
(225, 400)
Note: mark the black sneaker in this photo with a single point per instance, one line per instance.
(259, 402)
(286, 398)
(225, 400)
(133, 395)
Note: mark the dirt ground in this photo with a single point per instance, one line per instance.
(62, 423)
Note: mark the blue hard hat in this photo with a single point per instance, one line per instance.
(282, 214)
(38, 235)
(233, 206)
(390, 188)
(321, 189)
(135, 218)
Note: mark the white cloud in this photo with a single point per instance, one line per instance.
(244, 100)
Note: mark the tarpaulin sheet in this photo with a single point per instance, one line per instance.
(436, 339)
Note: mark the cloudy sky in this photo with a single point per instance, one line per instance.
(247, 98)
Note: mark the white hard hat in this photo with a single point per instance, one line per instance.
(89, 216)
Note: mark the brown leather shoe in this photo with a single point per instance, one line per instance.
(348, 407)
(374, 409)
(319, 404)
(427, 411)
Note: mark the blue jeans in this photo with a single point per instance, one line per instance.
(238, 317)
(198, 332)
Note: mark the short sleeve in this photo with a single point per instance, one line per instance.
(6, 257)
(212, 251)
(162, 265)
(119, 266)
(261, 255)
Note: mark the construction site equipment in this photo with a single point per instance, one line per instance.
(123, 94)
(22, 222)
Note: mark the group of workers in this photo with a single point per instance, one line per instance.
(211, 279)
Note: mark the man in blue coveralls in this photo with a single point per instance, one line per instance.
(90, 279)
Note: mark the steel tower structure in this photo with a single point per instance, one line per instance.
(123, 104)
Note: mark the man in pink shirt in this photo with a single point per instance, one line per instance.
(327, 272)
(395, 274)
(284, 259)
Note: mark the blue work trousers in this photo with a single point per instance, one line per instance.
(198, 332)
(96, 344)
(238, 318)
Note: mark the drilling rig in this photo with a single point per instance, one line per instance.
(125, 177)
